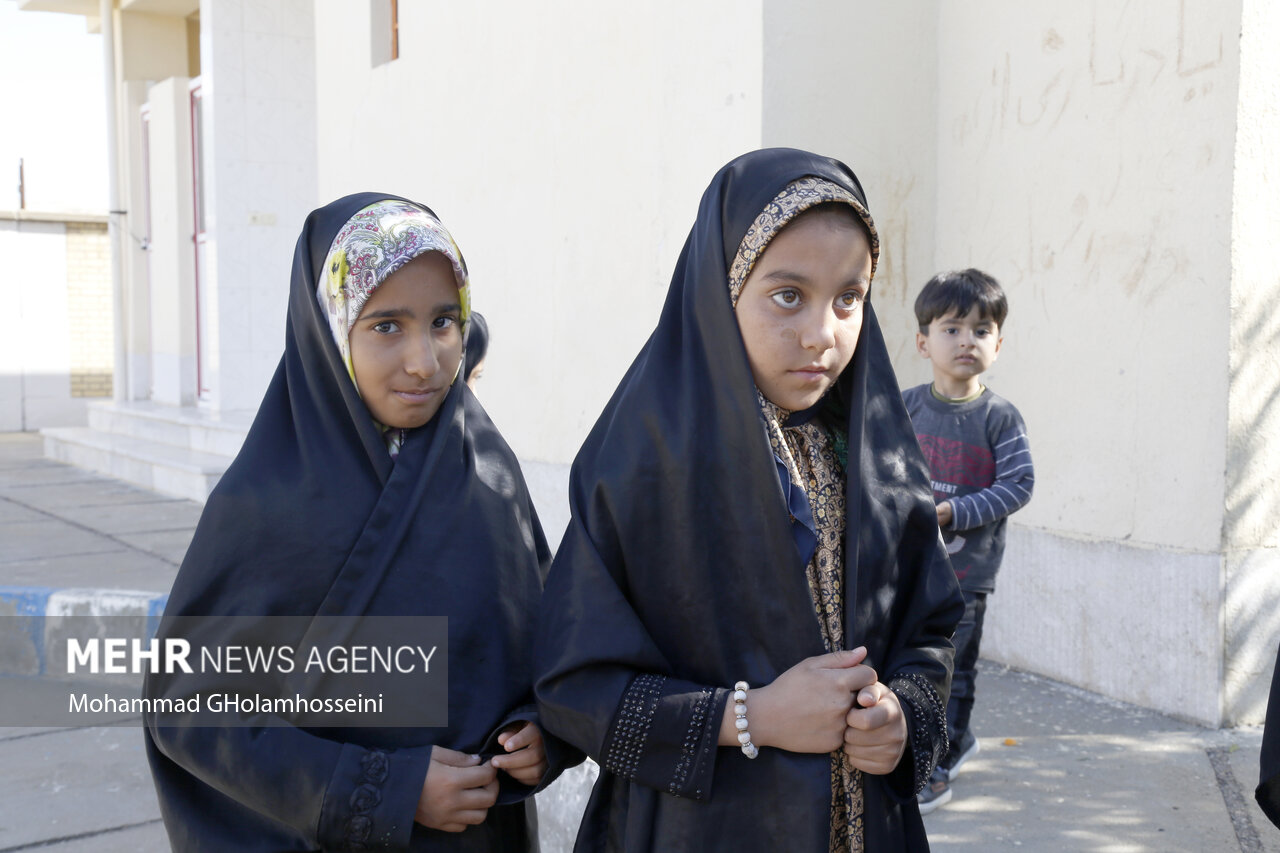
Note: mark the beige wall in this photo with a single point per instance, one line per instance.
(152, 47)
(1085, 159)
(568, 161)
(858, 81)
(1107, 164)
(1252, 528)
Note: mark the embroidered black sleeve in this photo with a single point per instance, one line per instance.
(665, 735)
(630, 732)
(926, 722)
(696, 744)
(370, 801)
(364, 799)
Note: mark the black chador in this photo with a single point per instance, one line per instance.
(1268, 791)
(323, 514)
(701, 552)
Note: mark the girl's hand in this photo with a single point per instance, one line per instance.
(945, 514)
(805, 709)
(458, 791)
(877, 732)
(526, 758)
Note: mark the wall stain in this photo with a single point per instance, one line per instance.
(1185, 69)
(1005, 82)
(1160, 58)
(1134, 276)
(1079, 210)
(893, 281)
(1094, 72)
(1046, 95)
(1115, 185)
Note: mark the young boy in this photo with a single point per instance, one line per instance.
(980, 464)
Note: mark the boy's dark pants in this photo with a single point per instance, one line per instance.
(967, 639)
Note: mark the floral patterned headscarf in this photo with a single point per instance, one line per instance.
(374, 243)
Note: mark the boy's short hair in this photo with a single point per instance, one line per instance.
(959, 292)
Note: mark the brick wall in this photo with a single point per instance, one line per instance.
(89, 309)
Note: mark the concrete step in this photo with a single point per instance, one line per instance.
(189, 427)
(165, 468)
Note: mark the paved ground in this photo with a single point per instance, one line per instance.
(1060, 769)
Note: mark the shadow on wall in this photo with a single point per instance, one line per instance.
(1251, 530)
(32, 401)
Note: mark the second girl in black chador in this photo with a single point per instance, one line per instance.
(752, 520)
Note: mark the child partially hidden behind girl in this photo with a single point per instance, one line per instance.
(372, 484)
(747, 623)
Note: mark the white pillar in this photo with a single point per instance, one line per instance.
(120, 365)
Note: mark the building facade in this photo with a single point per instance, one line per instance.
(1108, 163)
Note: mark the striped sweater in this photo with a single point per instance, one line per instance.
(979, 460)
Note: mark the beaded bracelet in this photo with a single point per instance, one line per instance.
(740, 712)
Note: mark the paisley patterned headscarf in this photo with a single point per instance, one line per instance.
(374, 243)
(813, 455)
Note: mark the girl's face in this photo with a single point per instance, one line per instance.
(407, 342)
(800, 310)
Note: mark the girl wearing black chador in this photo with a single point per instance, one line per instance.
(747, 623)
(371, 486)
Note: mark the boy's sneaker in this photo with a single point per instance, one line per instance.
(965, 748)
(937, 792)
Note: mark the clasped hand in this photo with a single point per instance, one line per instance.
(460, 789)
(825, 703)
